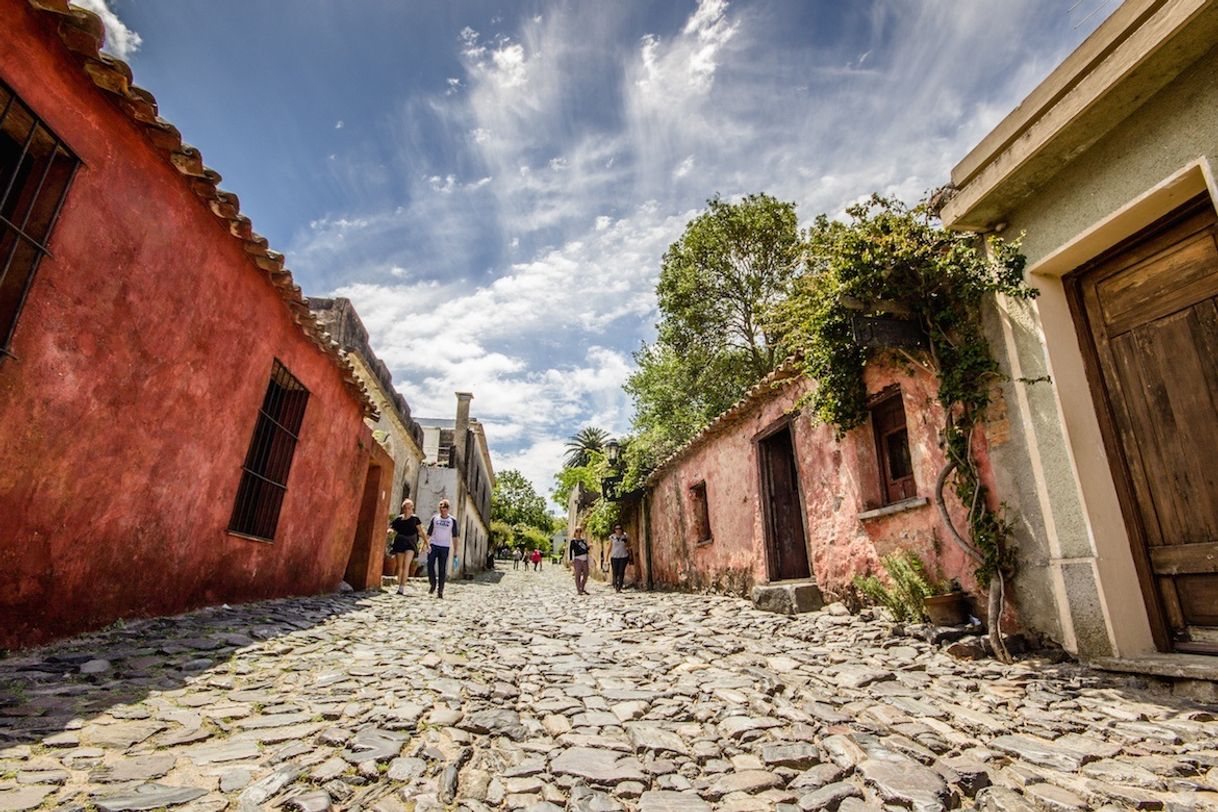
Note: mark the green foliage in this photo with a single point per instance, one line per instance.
(515, 502)
(531, 538)
(910, 585)
(599, 521)
(502, 534)
(893, 259)
(588, 476)
(729, 267)
(583, 444)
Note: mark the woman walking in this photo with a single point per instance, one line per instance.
(619, 556)
(407, 526)
(577, 548)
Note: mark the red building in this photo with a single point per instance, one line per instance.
(175, 428)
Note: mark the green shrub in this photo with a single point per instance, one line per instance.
(910, 585)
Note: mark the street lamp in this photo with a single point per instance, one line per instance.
(613, 451)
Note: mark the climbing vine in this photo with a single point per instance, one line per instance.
(899, 262)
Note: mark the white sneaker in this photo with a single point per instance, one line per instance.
(401, 590)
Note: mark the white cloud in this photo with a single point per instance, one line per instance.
(338, 125)
(120, 40)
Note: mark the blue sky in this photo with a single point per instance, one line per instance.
(494, 183)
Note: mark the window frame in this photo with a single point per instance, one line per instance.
(21, 232)
(892, 489)
(252, 515)
(700, 500)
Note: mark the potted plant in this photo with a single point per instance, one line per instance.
(948, 607)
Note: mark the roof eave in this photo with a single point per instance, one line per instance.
(1135, 53)
(82, 34)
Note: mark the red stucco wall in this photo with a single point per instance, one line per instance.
(839, 481)
(145, 348)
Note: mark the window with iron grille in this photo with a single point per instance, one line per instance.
(35, 172)
(264, 476)
(892, 448)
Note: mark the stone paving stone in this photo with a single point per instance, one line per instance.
(662, 702)
(148, 796)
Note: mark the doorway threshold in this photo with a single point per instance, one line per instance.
(791, 597)
(1194, 676)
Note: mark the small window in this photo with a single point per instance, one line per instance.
(702, 526)
(264, 477)
(35, 172)
(892, 448)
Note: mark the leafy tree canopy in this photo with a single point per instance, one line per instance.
(515, 502)
(718, 281)
(717, 285)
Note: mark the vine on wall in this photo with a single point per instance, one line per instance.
(897, 261)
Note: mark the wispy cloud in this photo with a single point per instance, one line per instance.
(120, 40)
(520, 263)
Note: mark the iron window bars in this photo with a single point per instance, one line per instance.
(36, 169)
(264, 476)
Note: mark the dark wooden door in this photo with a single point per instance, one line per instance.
(786, 545)
(1152, 314)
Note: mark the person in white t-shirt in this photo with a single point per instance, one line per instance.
(444, 536)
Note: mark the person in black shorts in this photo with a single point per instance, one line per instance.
(406, 543)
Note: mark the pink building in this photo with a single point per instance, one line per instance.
(766, 495)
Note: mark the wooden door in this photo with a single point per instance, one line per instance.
(786, 544)
(1151, 311)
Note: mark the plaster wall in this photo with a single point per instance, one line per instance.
(436, 483)
(1074, 539)
(143, 354)
(406, 454)
(839, 481)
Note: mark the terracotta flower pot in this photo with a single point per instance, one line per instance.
(946, 610)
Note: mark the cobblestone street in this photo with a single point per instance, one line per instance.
(514, 693)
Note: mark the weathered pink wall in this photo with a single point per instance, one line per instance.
(840, 480)
(145, 347)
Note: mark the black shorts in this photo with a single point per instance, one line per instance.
(410, 544)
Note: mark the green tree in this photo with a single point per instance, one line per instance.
(582, 444)
(719, 280)
(717, 285)
(532, 538)
(502, 533)
(515, 502)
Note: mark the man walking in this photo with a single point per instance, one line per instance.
(517, 555)
(443, 534)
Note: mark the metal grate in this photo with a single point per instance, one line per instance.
(264, 477)
(35, 172)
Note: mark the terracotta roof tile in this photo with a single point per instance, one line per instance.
(82, 33)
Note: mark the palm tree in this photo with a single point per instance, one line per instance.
(582, 444)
